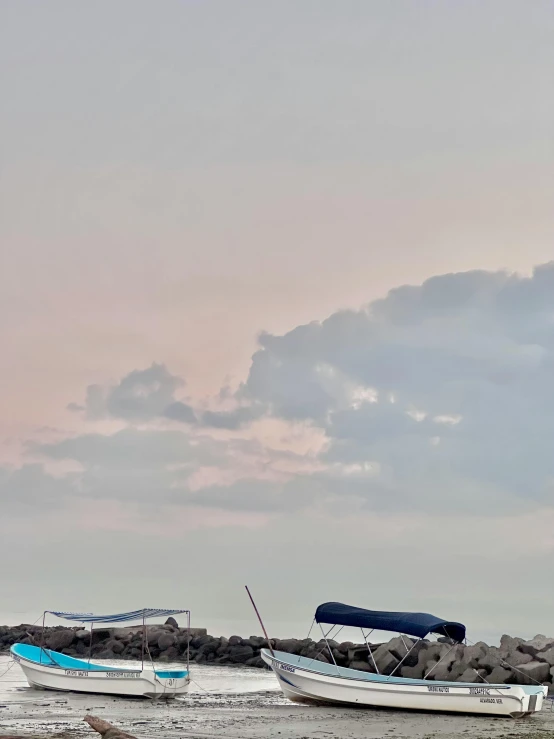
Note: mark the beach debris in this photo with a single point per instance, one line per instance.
(105, 729)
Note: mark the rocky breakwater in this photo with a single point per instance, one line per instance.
(515, 661)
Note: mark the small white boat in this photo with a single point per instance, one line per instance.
(46, 669)
(307, 680)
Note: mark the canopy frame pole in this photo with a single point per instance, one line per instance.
(42, 636)
(444, 656)
(403, 658)
(369, 650)
(324, 636)
(143, 639)
(328, 634)
(188, 644)
(329, 648)
(90, 643)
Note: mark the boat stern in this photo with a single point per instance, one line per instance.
(170, 683)
(532, 699)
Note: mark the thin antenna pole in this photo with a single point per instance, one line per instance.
(261, 622)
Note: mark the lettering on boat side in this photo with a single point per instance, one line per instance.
(479, 691)
(438, 689)
(77, 673)
(490, 700)
(288, 668)
(122, 674)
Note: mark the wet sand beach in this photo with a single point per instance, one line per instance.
(238, 703)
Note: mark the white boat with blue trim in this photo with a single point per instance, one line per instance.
(308, 680)
(49, 670)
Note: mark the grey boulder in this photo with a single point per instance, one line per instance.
(500, 675)
(415, 673)
(240, 654)
(115, 646)
(386, 662)
(441, 672)
(458, 669)
(539, 643)
(473, 654)
(533, 673)
(165, 641)
(514, 659)
(288, 645)
(58, 640)
(152, 636)
(399, 647)
(357, 653)
(360, 665)
(491, 659)
(509, 644)
(469, 676)
(546, 656)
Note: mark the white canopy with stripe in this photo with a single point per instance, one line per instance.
(112, 618)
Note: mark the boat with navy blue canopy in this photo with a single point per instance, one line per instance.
(412, 624)
(50, 670)
(307, 679)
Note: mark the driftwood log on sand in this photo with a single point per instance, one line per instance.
(106, 730)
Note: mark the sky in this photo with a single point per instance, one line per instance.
(277, 308)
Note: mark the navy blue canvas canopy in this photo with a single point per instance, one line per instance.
(414, 624)
(113, 618)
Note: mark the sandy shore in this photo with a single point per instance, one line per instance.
(252, 716)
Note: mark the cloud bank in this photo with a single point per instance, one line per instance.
(422, 415)
(437, 397)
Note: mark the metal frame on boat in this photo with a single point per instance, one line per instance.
(309, 680)
(51, 670)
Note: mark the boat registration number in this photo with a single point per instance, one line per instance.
(287, 668)
(122, 674)
(77, 673)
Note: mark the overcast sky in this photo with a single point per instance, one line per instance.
(276, 307)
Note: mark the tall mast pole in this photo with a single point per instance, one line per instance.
(260, 620)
